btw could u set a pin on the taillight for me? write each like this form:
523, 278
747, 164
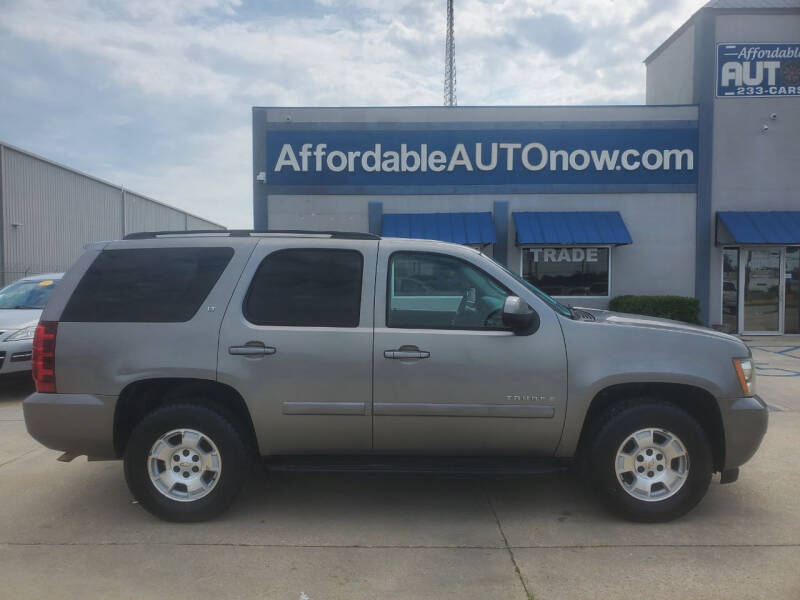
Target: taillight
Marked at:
44, 357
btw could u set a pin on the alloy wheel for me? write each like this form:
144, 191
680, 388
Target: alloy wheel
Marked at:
184, 465
652, 464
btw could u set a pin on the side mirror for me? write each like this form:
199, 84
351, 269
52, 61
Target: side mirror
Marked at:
519, 317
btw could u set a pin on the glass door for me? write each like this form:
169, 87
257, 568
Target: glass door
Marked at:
761, 290
791, 296
730, 289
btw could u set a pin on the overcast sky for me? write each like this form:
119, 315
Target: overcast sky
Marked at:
156, 95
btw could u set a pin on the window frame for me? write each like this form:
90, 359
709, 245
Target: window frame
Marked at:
276, 251
610, 247
389, 281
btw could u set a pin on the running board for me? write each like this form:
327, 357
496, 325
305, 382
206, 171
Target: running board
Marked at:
449, 465
67, 457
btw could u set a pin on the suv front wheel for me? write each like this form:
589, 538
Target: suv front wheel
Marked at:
185, 463
652, 460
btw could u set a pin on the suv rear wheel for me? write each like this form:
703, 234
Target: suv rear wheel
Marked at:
652, 460
186, 462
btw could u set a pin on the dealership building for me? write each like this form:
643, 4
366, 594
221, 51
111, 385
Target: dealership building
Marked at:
693, 194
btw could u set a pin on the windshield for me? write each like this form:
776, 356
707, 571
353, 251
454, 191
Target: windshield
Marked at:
549, 300
27, 294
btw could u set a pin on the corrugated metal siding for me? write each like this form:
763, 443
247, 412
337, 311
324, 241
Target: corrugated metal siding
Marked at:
142, 214
49, 213
198, 223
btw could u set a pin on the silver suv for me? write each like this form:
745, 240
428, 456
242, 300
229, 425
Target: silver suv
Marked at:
191, 355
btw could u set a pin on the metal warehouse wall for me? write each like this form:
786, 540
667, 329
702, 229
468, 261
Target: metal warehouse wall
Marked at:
670, 78
49, 212
142, 214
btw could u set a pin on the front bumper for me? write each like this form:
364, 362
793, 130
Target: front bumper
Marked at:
745, 423
15, 356
74, 423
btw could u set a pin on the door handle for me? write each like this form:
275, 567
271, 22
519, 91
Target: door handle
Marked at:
252, 350
406, 352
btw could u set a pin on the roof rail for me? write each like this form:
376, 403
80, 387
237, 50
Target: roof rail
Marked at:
339, 235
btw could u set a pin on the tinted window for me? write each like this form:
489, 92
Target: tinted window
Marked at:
435, 291
147, 285
569, 271
306, 288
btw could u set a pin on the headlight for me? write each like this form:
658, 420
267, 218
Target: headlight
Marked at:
744, 370
25, 333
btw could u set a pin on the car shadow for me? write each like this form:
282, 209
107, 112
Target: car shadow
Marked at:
383, 509
359, 499
16, 387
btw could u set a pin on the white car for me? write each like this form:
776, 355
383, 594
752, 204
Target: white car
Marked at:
21, 305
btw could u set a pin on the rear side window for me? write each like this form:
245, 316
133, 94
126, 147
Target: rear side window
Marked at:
304, 287
146, 285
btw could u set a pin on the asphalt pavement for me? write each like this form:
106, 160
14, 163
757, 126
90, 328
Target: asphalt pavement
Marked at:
72, 530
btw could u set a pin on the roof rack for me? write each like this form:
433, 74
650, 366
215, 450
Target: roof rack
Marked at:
338, 235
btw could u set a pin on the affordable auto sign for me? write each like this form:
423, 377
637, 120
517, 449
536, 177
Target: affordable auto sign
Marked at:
482, 156
758, 70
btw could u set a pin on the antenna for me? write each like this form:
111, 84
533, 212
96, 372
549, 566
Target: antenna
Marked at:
450, 60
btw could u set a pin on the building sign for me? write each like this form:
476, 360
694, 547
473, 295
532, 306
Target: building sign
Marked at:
568, 271
570, 255
758, 70
334, 155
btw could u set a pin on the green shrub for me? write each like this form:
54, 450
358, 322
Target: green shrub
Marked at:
679, 308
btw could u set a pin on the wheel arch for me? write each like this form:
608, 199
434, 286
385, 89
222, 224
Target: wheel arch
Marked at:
141, 397
696, 401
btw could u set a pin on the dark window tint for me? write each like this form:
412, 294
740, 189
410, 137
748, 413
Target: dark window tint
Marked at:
306, 288
147, 285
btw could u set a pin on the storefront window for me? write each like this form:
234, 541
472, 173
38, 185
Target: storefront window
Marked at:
762, 284
567, 271
792, 294
730, 288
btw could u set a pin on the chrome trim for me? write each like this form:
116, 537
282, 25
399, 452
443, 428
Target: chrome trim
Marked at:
441, 409
324, 408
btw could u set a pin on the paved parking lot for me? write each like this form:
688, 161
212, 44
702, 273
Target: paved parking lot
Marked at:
72, 531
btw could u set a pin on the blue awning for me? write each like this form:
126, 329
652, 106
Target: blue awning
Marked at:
779, 227
571, 228
461, 228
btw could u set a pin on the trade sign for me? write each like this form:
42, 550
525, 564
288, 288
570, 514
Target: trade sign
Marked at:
558, 255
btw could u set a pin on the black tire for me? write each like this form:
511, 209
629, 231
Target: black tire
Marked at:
619, 423
230, 442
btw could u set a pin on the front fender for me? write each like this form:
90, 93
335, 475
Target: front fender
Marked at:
602, 355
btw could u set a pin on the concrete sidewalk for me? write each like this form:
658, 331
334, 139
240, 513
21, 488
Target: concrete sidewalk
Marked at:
777, 362
783, 341
71, 531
